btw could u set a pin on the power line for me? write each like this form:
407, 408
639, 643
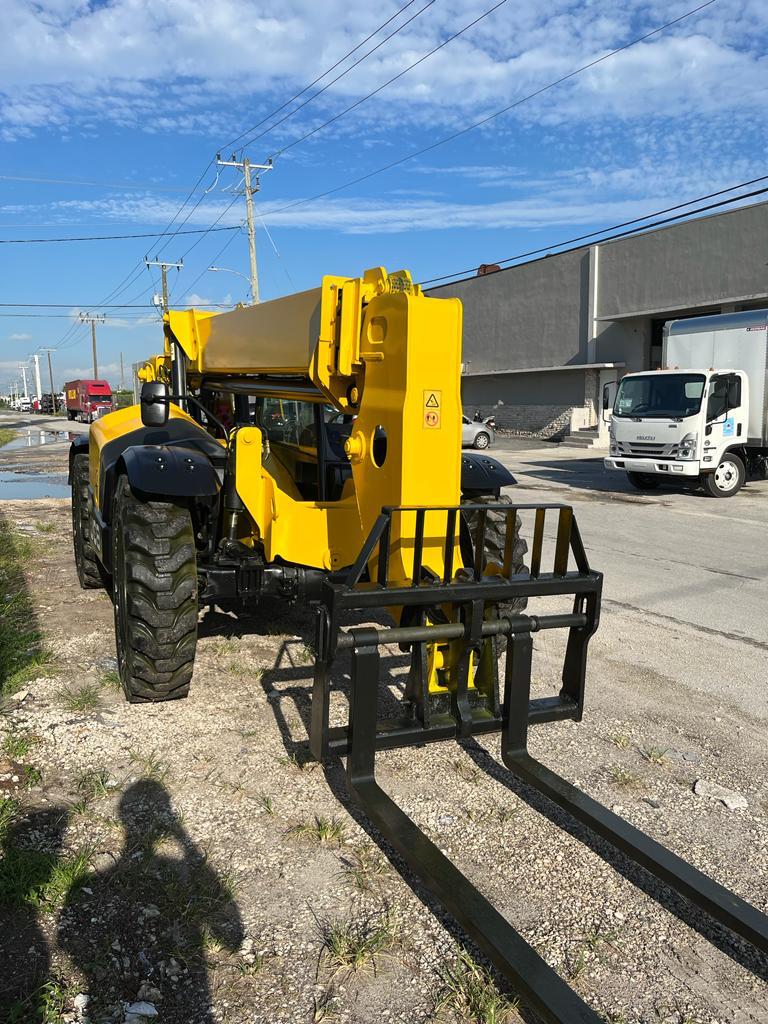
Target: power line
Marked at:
375, 92
250, 142
113, 238
320, 77
95, 184
490, 117
621, 234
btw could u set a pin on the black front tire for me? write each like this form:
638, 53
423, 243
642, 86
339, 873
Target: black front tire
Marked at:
155, 596
643, 481
89, 570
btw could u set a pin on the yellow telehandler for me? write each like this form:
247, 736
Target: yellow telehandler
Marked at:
309, 449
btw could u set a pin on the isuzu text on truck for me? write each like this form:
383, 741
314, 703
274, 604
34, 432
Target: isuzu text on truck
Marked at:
706, 415
88, 399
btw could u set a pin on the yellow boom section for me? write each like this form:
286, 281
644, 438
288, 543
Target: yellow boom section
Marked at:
376, 349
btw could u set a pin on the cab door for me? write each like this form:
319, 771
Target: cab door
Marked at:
726, 412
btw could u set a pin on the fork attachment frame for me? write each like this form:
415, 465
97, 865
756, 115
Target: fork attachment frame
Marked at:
475, 595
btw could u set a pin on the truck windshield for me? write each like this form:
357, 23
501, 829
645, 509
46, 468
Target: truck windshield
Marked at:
668, 395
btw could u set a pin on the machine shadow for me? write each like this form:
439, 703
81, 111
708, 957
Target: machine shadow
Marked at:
739, 951
298, 690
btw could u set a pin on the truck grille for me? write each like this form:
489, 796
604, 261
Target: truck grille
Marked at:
646, 450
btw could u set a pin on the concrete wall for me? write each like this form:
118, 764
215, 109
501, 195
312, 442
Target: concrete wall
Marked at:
702, 262
533, 315
534, 404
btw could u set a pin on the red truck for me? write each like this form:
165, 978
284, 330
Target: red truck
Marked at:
88, 399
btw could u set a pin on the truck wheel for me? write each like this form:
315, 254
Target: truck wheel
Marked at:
482, 440
89, 571
727, 479
155, 596
643, 481
495, 531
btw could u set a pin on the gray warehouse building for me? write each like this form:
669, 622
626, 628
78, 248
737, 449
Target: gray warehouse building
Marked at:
541, 339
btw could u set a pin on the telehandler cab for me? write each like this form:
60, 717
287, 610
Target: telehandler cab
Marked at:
308, 449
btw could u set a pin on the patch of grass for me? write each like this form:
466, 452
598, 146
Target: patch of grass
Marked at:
654, 755
18, 744
34, 878
93, 783
32, 776
321, 830
620, 740
45, 527
354, 945
9, 809
111, 679
302, 762
6, 436
151, 765
21, 646
467, 771
45, 1005
325, 1006
86, 697
588, 950
267, 803
363, 867
304, 654
468, 991
623, 777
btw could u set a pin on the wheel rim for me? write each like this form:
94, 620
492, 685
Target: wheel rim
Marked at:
726, 475
481, 441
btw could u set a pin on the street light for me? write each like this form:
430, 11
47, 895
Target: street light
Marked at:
226, 270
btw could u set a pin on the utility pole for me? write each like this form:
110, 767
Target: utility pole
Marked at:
122, 374
246, 167
50, 375
86, 318
164, 268
24, 377
38, 386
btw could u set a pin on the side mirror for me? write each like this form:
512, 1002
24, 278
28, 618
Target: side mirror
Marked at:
154, 404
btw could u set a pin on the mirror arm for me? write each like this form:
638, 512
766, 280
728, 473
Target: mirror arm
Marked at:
190, 398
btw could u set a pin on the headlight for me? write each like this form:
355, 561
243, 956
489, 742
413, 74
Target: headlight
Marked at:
687, 447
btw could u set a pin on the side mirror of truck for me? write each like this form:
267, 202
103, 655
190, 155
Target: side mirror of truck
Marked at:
154, 404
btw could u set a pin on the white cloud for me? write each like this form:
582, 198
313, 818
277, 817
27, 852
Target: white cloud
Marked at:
182, 66
19, 336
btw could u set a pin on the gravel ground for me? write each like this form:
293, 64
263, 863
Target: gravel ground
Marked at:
228, 879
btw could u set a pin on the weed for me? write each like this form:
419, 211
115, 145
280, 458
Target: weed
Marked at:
363, 867
45, 527
32, 776
152, 766
45, 1005
325, 1005
301, 762
320, 829
6, 436
653, 755
305, 655
82, 698
93, 783
353, 945
18, 744
589, 950
620, 740
469, 991
111, 679
623, 777
466, 771
267, 803
38, 879
9, 808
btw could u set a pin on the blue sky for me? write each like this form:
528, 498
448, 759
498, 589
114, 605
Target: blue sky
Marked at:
137, 97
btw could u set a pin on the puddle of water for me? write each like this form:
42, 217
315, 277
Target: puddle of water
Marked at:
36, 438
22, 486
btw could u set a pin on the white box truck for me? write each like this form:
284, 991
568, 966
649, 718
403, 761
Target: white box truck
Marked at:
705, 415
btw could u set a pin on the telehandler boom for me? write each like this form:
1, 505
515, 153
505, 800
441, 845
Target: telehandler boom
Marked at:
308, 449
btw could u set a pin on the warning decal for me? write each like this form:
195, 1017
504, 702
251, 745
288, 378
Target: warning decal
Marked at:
433, 400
